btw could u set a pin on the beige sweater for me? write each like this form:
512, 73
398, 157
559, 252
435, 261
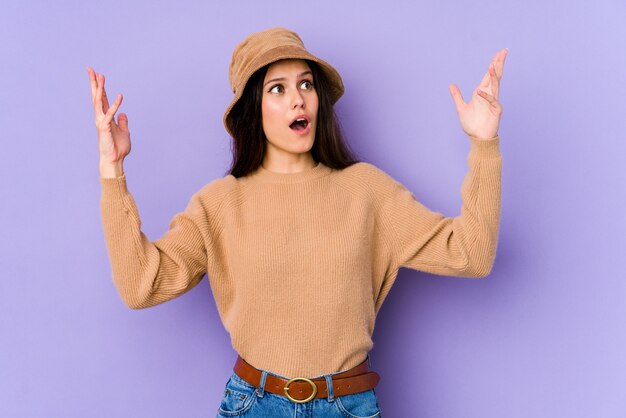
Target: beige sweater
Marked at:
299, 264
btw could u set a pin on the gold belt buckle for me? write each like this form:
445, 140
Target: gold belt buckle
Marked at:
305, 380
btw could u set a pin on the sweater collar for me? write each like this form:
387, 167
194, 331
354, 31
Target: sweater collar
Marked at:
264, 175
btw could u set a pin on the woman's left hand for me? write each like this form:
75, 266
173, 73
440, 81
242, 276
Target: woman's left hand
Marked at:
481, 116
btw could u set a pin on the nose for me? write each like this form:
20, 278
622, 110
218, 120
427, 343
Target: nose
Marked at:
297, 99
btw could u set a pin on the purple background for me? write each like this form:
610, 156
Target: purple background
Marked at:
543, 336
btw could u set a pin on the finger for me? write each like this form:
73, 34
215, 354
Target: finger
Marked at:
457, 97
92, 83
486, 80
499, 64
495, 82
122, 120
105, 99
493, 103
485, 95
98, 103
111, 112
492, 100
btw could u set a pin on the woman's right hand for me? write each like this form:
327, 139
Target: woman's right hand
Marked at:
113, 138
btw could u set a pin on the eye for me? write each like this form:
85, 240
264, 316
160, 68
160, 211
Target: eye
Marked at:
307, 82
272, 90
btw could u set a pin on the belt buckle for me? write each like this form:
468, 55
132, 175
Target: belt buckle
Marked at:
304, 379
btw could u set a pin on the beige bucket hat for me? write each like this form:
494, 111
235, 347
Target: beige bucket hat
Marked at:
266, 47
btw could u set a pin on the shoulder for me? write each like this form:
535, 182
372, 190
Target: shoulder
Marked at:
362, 171
219, 185
216, 193
367, 170
371, 177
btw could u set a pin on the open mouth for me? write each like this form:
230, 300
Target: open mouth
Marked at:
299, 124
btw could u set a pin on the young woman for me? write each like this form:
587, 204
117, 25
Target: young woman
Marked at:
301, 242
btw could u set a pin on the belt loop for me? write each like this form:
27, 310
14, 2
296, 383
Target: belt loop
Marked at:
261, 389
329, 387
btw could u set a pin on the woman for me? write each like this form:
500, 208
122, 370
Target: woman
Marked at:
301, 242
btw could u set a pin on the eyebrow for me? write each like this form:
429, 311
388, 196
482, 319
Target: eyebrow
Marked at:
283, 78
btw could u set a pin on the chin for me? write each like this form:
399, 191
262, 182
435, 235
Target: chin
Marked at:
300, 141
301, 148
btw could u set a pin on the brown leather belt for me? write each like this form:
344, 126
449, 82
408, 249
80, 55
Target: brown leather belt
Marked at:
301, 389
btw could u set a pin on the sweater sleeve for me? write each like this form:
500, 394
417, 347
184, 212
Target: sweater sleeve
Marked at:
148, 273
465, 245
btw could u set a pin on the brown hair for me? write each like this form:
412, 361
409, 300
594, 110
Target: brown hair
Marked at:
249, 141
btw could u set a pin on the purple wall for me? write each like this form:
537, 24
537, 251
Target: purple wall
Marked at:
543, 336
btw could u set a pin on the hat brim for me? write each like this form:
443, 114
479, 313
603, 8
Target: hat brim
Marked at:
286, 52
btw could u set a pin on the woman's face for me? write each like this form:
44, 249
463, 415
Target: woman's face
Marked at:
288, 94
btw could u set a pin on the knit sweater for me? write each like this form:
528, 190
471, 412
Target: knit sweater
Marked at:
300, 263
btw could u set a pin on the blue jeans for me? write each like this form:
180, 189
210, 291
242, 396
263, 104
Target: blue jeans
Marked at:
241, 399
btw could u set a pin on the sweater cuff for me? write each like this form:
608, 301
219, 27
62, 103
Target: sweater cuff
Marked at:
484, 148
113, 188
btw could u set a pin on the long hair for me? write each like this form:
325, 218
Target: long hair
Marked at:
249, 141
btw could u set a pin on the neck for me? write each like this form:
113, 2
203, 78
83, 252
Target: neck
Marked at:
310, 173
288, 163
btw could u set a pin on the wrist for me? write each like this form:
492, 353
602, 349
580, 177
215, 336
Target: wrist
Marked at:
111, 170
482, 138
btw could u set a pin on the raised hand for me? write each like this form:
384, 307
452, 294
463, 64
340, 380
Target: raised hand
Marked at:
113, 138
481, 116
